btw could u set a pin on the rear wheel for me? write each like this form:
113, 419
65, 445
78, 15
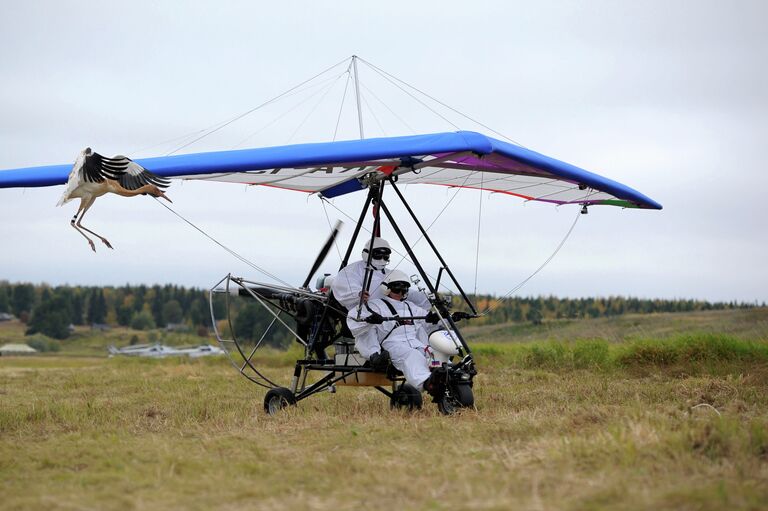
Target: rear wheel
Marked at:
277, 399
406, 396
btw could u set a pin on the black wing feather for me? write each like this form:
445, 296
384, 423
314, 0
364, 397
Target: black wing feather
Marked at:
134, 178
97, 168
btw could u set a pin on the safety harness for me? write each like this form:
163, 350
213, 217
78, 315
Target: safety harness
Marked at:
398, 320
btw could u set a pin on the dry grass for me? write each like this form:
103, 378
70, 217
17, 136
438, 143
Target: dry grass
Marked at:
89, 433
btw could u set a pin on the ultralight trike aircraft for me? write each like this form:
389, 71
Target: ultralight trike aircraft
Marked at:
378, 167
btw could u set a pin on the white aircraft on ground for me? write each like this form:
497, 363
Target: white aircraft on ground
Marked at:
161, 351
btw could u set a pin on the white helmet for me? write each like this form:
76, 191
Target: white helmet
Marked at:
381, 251
396, 280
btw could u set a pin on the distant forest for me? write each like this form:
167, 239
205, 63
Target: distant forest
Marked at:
51, 310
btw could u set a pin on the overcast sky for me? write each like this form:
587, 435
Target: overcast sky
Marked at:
668, 97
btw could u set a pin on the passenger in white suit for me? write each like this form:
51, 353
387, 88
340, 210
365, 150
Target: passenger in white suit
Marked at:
404, 341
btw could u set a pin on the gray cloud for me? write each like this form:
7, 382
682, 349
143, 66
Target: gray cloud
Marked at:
668, 97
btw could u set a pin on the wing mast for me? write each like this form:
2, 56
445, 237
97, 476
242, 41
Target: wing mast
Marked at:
357, 97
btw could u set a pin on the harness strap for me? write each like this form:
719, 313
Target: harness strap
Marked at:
398, 322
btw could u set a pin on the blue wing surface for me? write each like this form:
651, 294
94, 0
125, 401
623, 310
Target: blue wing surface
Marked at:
454, 159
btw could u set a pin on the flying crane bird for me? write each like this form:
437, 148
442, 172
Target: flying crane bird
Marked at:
93, 175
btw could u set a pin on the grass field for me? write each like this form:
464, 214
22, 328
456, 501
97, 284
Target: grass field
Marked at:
667, 418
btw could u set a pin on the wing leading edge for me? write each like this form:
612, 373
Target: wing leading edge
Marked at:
456, 159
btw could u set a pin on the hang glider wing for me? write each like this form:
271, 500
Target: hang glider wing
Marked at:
457, 159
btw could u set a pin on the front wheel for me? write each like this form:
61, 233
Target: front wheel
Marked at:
455, 397
277, 399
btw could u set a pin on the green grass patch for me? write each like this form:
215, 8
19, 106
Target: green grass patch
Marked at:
690, 350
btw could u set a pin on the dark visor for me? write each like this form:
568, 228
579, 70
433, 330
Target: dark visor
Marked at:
381, 253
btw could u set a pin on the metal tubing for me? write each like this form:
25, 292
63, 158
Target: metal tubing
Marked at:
271, 384
359, 224
376, 230
434, 248
357, 95
414, 259
297, 336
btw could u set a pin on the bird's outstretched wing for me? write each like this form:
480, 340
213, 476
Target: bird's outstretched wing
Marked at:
96, 168
125, 171
136, 176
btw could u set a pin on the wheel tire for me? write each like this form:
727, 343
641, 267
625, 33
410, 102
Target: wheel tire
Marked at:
455, 397
277, 399
447, 405
464, 396
406, 396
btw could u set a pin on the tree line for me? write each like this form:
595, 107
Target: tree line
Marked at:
538, 309
51, 310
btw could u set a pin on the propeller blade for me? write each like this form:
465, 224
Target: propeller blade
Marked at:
323, 253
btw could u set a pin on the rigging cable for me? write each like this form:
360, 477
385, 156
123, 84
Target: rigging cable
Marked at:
227, 123
389, 77
341, 107
290, 110
448, 203
232, 252
498, 301
394, 251
327, 91
383, 73
235, 254
388, 108
479, 219
375, 118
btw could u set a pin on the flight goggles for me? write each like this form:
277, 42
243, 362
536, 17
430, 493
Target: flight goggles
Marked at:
381, 253
399, 287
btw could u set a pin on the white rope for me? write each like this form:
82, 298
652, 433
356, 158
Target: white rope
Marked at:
479, 219
341, 107
375, 117
498, 301
232, 252
290, 110
238, 117
383, 73
314, 108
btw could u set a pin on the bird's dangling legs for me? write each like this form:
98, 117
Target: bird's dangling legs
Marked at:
72, 223
78, 225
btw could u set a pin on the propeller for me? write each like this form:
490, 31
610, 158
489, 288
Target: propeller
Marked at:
323, 253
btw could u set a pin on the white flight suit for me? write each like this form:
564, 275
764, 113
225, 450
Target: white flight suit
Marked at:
348, 284
406, 343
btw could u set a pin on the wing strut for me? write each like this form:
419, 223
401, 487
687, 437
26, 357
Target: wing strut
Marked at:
434, 248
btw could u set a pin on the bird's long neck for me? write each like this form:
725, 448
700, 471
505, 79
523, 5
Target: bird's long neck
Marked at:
131, 193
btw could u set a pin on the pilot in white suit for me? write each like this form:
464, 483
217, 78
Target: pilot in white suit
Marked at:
405, 340
348, 285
